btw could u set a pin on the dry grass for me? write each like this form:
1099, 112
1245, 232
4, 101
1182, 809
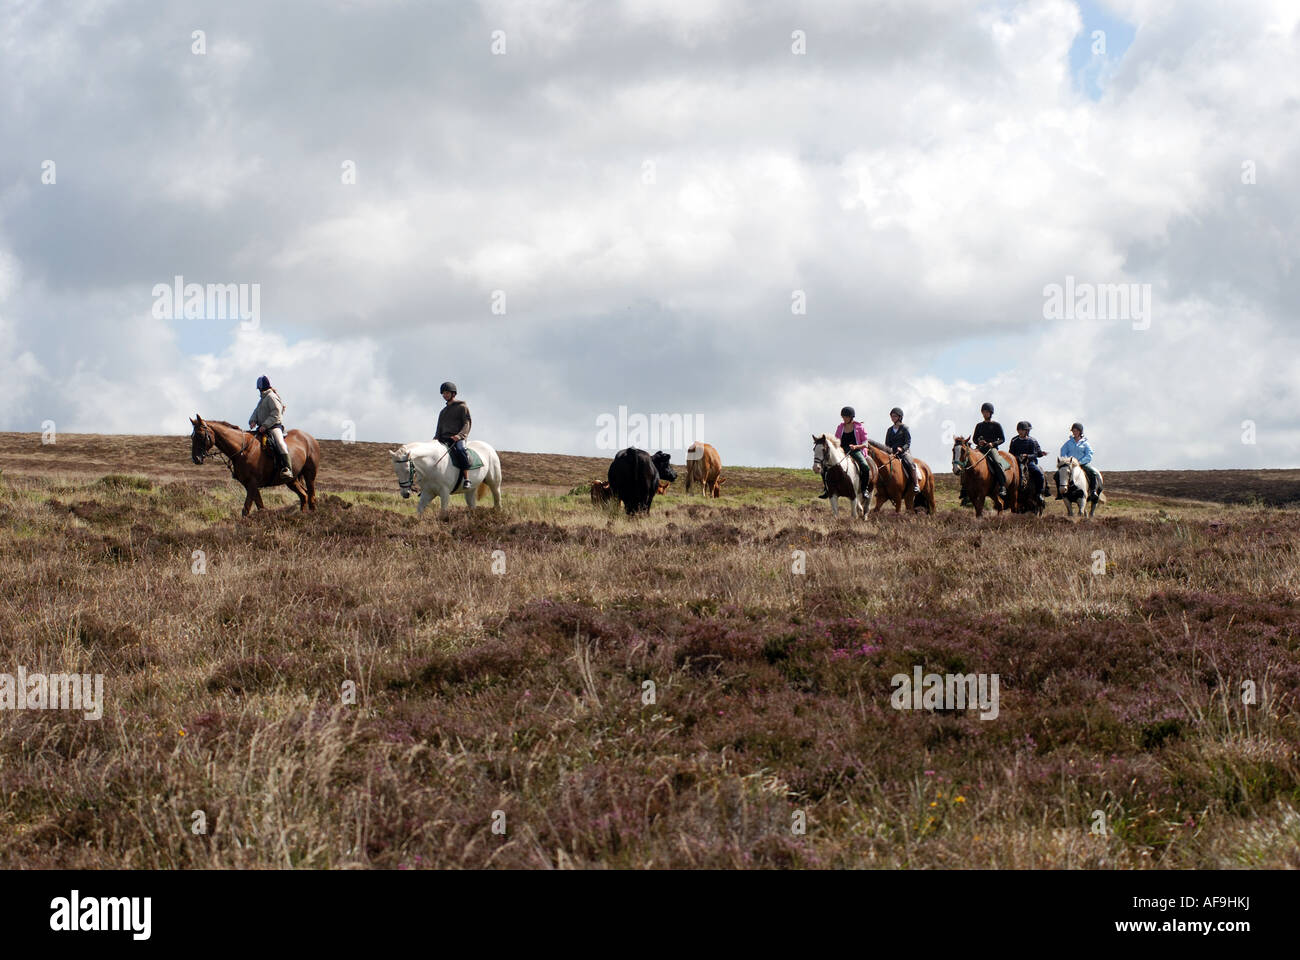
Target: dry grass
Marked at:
522, 692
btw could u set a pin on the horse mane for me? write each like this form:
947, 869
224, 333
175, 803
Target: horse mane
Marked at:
404, 452
227, 423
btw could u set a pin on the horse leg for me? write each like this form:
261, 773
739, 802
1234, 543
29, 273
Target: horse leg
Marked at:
309, 479
471, 497
425, 496
248, 500
835, 505
445, 496
494, 484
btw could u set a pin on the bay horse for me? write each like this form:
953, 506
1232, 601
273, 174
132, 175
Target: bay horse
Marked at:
891, 481
1072, 480
977, 479
842, 475
254, 467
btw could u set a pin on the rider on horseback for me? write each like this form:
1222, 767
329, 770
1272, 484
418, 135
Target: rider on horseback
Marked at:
267, 419
1025, 445
852, 436
453, 428
988, 436
1077, 446
899, 441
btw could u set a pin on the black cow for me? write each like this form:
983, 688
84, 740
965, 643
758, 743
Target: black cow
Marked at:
634, 477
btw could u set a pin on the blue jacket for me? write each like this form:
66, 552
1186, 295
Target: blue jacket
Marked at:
1078, 449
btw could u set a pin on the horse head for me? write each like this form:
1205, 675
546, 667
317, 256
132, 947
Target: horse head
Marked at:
201, 440
404, 469
959, 450
821, 446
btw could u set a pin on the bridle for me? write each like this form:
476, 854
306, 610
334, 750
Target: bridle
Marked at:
960, 462
209, 438
818, 460
408, 485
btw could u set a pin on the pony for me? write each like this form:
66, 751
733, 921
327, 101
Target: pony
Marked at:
1027, 500
891, 483
842, 475
425, 468
254, 467
1073, 481
977, 479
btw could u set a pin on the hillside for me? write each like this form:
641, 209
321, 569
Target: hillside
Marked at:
553, 685
367, 467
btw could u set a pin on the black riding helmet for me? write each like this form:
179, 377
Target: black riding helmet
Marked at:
1024, 425
898, 411
986, 406
847, 412
448, 387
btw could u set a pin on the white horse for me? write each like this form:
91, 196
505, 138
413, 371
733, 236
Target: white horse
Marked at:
426, 467
1073, 481
828, 457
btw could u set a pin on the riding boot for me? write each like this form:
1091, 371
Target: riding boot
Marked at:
462, 480
286, 466
826, 491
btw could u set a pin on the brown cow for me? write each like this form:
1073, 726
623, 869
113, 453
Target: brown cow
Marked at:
663, 488
703, 464
600, 493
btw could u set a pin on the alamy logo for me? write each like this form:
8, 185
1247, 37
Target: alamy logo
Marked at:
658, 431
53, 691
213, 301
949, 691
1098, 301
70, 914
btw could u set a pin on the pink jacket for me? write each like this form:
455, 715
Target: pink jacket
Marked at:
859, 432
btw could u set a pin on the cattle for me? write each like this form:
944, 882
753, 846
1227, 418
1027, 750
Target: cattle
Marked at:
634, 478
663, 487
704, 465
717, 486
600, 493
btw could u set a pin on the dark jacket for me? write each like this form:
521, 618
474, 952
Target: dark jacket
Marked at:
898, 436
989, 431
1026, 445
454, 419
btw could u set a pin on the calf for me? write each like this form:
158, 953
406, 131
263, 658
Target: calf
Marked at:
600, 493
634, 478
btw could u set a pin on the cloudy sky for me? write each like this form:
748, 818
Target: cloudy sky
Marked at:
748, 212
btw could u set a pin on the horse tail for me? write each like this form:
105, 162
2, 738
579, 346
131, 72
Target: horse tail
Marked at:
927, 491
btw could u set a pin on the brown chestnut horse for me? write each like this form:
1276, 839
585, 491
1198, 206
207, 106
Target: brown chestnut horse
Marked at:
254, 467
977, 479
891, 482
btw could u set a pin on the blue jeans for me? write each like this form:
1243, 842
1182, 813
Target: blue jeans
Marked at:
456, 451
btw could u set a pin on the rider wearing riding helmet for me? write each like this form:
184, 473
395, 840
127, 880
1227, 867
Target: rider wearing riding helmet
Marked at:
852, 436
988, 436
267, 418
1077, 446
453, 428
1023, 444
899, 441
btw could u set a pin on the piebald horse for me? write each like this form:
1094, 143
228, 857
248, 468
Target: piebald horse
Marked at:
426, 468
842, 475
977, 479
254, 467
1072, 480
892, 483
